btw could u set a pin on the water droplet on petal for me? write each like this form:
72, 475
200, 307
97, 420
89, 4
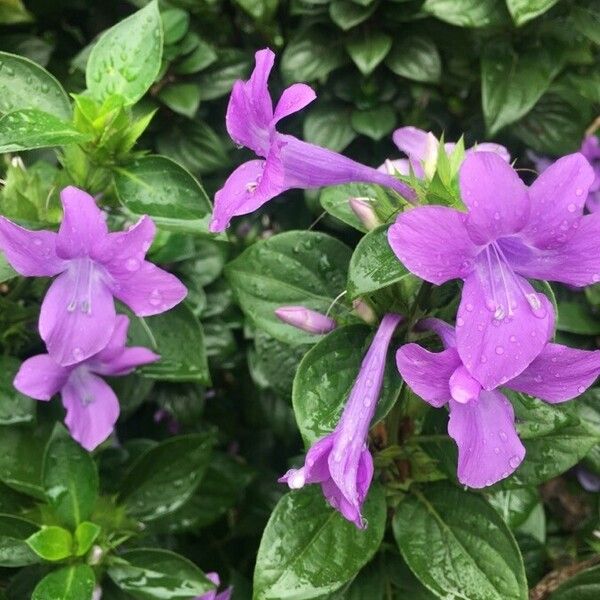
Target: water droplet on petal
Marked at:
155, 298
502, 435
78, 353
579, 192
499, 350
571, 207
514, 461
132, 264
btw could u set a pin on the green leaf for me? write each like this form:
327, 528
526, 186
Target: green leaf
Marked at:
512, 83
515, 506
172, 334
374, 266
583, 586
13, 11
467, 13
175, 23
75, 582
182, 98
31, 128
308, 549
152, 574
126, 59
6, 271
14, 551
219, 79
202, 56
367, 49
166, 476
51, 543
334, 200
24, 84
14, 406
575, 315
160, 188
416, 57
293, 268
329, 125
523, 11
70, 478
346, 14
587, 21
326, 375
458, 546
85, 535
375, 123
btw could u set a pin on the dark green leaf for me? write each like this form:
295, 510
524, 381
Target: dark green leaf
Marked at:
515, 506
416, 57
160, 188
218, 80
126, 59
24, 84
467, 13
346, 14
6, 271
458, 546
293, 268
70, 479
587, 22
14, 406
583, 586
308, 549
32, 128
14, 551
375, 123
51, 543
329, 125
523, 11
166, 476
326, 375
175, 23
13, 11
367, 49
75, 582
182, 98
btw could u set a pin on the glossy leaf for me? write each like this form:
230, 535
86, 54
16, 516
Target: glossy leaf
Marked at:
328, 125
70, 479
335, 200
293, 268
85, 535
24, 84
166, 476
31, 128
51, 543
583, 586
467, 13
308, 549
368, 49
14, 407
457, 545
374, 122
160, 188
347, 14
14, 551
126, 59
75, 582
326, 375
416, 57
151, 574
182, 98
514, 506
523, 11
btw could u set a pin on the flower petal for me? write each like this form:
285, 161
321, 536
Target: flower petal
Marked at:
83, 225
498, 149
398, 165
123, 252
92, 408
117, 341
488, 446
149, 291
444, 331
495, 195
428, 373
496, 344
75, 329
30, 253
40, 377
412, 141
293, 99
557, 199
432, 242
126, 362
559, 373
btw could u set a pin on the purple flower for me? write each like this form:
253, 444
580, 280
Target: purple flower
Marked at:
590, 148
93, 266
305, 319
212, 595
509, 232
589, 481
482, 421
91, 405
288, 162
341, 461
421, 148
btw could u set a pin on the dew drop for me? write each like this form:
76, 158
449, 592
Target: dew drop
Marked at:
132, 264
460, 322
502, 435
496, 450
78, 353
469, 307
571, 208
580, 389
499, 350
514, 461
155, 298
579, 192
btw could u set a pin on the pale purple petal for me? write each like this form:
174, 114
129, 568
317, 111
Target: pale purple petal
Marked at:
92, 408
444, 331
592, 202
365, 212
557, 199
117, 340
40, 377
497, 339
83, 225
495, 195
559, 373
498, 149
589, 481
412, 141
78, 314
575, 262
126, 362
305, 319
432, 242
225, 594
463, 387
428, 373
122, 252
149, 291
30, 253
293, 99
488, 446
399, 165
541, 163
590, 147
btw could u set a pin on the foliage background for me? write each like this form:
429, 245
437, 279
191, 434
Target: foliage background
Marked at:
523, 73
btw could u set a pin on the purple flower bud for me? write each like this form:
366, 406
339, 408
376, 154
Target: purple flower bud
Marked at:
364, 311
305, 319
212, 595
363, 209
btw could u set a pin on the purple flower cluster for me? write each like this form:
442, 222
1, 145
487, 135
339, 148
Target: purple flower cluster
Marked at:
83, 334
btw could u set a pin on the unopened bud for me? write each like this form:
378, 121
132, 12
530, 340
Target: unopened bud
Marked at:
97, 594
363, 209
305, 319
430, 158
364, 311
96, 555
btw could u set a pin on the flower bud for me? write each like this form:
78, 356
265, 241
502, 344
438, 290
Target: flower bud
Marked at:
305, 319
96, 555
364, 211
364, 311
97, 594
